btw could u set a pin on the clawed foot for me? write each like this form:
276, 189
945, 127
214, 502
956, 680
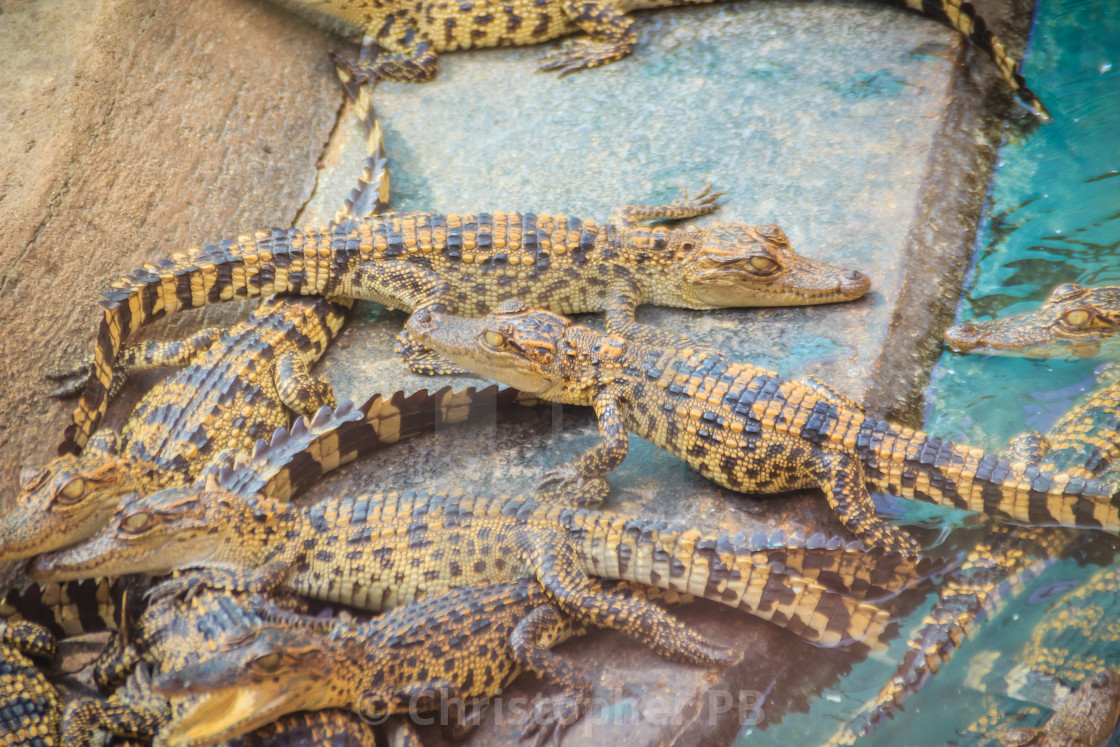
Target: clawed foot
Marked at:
706, 201
186, 585
425, 361
551, 715
71, 381
566, 485
582, 54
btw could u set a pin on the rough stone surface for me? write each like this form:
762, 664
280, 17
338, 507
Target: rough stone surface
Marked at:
857, 127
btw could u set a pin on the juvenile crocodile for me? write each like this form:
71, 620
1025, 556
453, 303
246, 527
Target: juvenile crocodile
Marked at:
174, 633
1074, 321
447, 650
231, 390
411, 33
747, 428
468, 264
381, 551
1086, 718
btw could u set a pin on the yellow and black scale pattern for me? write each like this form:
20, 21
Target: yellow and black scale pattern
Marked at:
468, 264
1074, 320
749, 429
381, 551
463, 645
29, 705
232, 389
412, 32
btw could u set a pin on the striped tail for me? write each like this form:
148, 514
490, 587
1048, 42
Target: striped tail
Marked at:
268, 262
756, 577
371, 196
994, 572
298, 458
909, 463
962, 16
69, 608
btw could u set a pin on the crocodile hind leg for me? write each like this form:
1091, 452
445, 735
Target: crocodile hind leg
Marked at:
541, 629
612, 38
841, 477
555, 565
407, 54
298, 389
140, 357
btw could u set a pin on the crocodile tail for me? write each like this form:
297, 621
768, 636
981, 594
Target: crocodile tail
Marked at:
266, 262
725, 571
913, 464
299, 457
69, 608
371, 196
962, 16
994, 572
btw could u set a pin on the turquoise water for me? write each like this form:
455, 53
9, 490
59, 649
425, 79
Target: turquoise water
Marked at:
1053, 216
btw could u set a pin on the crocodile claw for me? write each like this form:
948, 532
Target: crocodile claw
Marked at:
551, 716
566, 485
581, 55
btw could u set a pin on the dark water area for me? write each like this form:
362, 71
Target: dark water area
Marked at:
1053, 216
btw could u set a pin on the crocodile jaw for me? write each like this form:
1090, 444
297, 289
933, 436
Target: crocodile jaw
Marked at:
225, 714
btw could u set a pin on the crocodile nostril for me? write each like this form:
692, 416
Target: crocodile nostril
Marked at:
963, 337
855, 282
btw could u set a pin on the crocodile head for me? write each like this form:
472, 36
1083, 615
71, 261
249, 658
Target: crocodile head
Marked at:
1073, 321
174, 528
67, 501
740, 265
514, 344
254, 677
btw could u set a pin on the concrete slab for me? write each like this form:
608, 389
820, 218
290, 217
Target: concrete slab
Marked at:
861, 129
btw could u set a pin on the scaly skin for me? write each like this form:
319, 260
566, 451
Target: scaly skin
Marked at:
468, 264
174, 633
1086, 718
1073, 321
232, 390
747, 428
412, 32
381, 551
465, 644
29, 705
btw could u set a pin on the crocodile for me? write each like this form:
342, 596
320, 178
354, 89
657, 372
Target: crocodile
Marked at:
747, 428
1086, 718
231, 390
443, 651
467, 264
379, 551
412, 34
29, 704
1073, 321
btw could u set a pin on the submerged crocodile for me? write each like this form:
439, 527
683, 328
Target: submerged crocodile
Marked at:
1086, 718
411, 34
231, 390
1073, 321
747, 428
381, 551
467, 265
441, 651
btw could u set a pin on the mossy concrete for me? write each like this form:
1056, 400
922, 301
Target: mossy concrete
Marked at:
863, 130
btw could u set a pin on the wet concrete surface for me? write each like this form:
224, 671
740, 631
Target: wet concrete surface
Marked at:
865, 131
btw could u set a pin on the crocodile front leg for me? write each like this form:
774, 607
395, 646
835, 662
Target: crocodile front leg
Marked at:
682, 208
134, 711
551, 558
582, 482
140, 357
612, 38
841, 477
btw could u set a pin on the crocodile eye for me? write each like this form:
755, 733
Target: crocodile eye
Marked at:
136, 523
1077, 318
267, 663
764, 265
72, 491
494, 339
